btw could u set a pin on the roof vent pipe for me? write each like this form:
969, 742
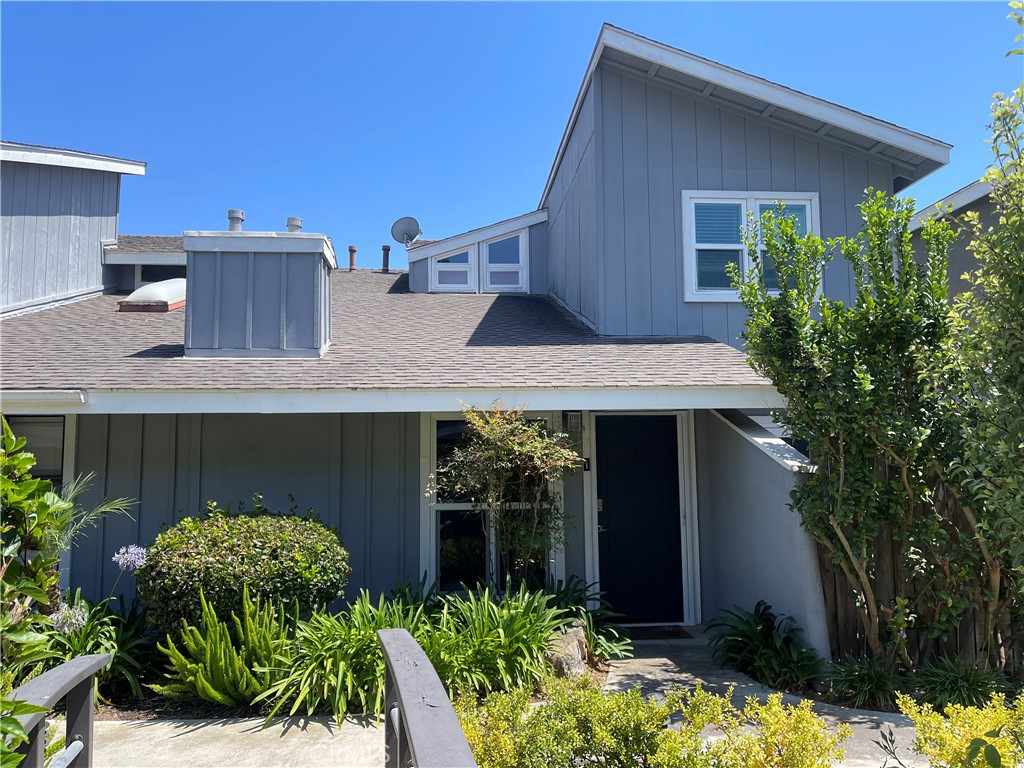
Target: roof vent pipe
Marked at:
235, 219
294, 224
351, 258
386, 249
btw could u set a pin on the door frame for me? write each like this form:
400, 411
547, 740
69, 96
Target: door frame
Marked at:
688, 524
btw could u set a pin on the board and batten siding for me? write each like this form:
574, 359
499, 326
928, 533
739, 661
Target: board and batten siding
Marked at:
573, 222
654, 143
53, 222
358, 472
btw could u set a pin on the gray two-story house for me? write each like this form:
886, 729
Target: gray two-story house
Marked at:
606, 311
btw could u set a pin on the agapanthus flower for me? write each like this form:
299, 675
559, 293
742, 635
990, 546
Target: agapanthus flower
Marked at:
130, 558
69, 618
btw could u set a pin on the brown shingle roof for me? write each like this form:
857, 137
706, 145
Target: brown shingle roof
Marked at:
151, 243
384, 337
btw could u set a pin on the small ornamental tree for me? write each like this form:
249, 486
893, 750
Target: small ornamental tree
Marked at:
504, 466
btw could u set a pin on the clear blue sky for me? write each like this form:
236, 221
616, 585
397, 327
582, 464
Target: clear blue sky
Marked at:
351, 115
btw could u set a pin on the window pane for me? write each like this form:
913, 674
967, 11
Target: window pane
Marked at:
154, 273
44, 437
463, 549
457, 258
718, 222
711, 268
504, 277
771, 277
795, 211
449, 433
453, 277
504, 251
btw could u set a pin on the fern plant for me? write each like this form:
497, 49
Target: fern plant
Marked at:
226, 667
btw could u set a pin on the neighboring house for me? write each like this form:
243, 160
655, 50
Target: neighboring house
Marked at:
973, 197
606, 312
58, 208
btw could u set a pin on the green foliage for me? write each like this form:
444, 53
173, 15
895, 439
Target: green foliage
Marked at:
949, 681
228, 664
504, 466
281, 559
765, 646
12, 734
968, 737
577, 725
605, 639
866, 682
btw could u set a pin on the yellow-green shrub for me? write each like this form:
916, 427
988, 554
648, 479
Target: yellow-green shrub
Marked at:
945, 740
785, 736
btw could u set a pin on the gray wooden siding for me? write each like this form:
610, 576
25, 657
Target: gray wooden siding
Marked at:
538, 245
419, 276
53, 220
359, 472
573, 230
654, 143
961, 260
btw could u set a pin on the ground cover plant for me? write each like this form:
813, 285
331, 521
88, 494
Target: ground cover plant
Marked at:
281, 558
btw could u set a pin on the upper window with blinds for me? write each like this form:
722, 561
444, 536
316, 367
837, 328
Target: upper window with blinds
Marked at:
713, 225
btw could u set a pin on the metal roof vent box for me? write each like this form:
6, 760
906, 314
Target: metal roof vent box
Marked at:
258, 294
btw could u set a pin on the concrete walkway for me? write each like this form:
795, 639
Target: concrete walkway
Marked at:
660, 665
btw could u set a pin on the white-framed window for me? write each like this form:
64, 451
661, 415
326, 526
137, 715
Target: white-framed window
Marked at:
713, 224
491, 266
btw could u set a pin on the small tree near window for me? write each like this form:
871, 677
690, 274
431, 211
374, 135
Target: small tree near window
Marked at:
504, 466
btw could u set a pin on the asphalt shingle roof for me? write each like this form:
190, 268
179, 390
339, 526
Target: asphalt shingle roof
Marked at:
151, 243
384, 337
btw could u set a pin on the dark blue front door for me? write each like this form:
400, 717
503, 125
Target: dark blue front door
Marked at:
640, 545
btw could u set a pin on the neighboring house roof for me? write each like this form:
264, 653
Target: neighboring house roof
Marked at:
422, 249
16, 152
913, 154
146, 249
952, 202
386, 341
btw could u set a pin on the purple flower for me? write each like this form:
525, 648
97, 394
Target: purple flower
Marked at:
130, 558
69, 618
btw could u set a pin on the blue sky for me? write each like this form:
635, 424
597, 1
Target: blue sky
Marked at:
351, 115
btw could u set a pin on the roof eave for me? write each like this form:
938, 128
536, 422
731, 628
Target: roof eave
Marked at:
69, 158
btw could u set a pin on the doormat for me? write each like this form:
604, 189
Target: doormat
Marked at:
666, 632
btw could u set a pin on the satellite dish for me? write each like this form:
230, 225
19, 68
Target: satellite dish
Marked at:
406, 230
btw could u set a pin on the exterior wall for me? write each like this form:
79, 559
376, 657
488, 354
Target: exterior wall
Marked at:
538, 243
419, 276
654, 143
751, 544
53, 221
573, 218
960, 259
359, 472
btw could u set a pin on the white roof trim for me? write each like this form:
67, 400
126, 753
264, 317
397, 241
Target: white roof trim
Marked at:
384, 401
964, 196
777, 449
69, 158
159, 258
750, 85
466, 239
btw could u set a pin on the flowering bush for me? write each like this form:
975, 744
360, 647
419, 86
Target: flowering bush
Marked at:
282, 559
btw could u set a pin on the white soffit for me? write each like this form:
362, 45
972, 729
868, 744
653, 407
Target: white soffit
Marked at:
14, 152
954, 202
466, 239
880, 137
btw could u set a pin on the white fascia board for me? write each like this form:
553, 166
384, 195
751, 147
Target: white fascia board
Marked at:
777, 449
750, 85
43, 401
466, 239
394, 401
260, 242
68, 158
157, 258
954, 202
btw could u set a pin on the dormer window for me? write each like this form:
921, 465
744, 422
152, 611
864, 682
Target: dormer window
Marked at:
713, 225
490, 266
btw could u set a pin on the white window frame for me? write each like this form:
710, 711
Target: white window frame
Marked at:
750, 202
480, 270
430, 541
436, 267
522, 267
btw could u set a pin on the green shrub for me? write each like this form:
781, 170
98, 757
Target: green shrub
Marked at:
950, 681
766, 647
228, 664
605, 639
865, 682
282, 559
966, 737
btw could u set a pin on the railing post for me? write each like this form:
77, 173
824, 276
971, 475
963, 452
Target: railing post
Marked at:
34, 748
392, 723
80, 719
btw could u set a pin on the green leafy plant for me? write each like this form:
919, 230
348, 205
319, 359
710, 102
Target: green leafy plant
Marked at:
228, 663
866, 682
949, 681
281, 559
764, 646
605, 639
12, 734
